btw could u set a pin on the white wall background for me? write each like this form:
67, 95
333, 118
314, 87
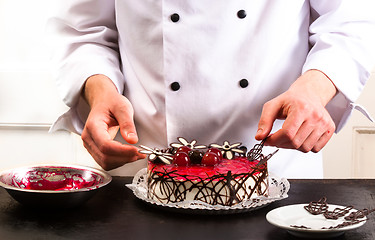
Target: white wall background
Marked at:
29, 104
351, 153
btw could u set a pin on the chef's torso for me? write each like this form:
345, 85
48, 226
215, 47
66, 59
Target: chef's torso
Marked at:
203, 69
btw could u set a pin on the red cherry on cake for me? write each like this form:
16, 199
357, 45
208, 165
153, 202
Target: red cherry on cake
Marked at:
181, 159
210, 159
184, 149
217, 152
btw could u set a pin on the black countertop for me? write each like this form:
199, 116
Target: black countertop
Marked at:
115, 213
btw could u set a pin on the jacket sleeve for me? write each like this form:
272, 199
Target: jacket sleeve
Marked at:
83, 37
342, 38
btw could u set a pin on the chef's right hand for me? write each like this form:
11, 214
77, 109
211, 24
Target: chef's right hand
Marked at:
308, 126
110, 111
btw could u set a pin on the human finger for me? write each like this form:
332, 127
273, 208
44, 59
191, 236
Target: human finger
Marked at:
107, 145
98, 132
111, 159
322, 141
124, 116
325, 137
320, 123
312, 135
270, 112
292, 133
310, 141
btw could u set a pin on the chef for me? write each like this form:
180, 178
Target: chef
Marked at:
151, 71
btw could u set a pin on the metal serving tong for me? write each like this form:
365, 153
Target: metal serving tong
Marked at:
256, 153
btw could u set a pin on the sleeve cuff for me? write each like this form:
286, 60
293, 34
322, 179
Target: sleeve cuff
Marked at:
73, 120
341, 110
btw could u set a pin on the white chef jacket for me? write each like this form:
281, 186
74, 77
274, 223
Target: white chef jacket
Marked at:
203, 69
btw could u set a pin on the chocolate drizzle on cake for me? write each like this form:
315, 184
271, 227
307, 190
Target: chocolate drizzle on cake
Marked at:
223, 189
212, 183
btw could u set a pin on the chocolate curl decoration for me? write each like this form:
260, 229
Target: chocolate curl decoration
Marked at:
256, 153
359, 214
353, 218
344, 224
319, 207
300, 226
266, 158
337, 212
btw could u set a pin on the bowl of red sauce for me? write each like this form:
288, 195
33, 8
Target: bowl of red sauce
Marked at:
53, 185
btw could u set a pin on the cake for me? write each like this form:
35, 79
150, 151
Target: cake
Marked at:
215, 174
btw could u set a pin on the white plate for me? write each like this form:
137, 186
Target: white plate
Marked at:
278, 189
295, 215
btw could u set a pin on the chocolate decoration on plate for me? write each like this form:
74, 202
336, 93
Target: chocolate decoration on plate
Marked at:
354, 218
319, 207
300, 226
344, 224
337, 212
359, 214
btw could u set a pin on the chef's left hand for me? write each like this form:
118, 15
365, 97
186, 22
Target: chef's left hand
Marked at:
308, 125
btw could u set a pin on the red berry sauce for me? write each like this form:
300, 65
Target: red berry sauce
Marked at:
55, 179
195, 172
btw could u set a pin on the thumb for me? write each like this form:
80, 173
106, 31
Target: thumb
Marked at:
124, 117
269, 114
